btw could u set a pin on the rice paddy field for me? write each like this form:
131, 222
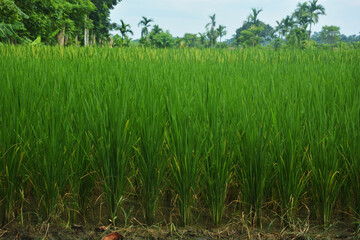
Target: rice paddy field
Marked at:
253, 136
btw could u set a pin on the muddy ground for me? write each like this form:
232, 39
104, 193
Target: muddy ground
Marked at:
229, 231
236, 227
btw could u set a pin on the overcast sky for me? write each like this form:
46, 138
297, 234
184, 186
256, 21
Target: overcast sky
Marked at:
191, 16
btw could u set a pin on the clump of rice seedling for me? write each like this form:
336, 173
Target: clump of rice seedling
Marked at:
185, 141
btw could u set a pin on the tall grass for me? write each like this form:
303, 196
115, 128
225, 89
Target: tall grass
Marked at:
279, 127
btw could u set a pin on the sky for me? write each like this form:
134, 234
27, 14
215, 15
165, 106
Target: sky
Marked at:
191, 16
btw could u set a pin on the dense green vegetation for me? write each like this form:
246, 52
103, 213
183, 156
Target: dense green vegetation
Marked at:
269, 129
66, 22
87, 22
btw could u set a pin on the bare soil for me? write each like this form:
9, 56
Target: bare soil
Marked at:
229, 231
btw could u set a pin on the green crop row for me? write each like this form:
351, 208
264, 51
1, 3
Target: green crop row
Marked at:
210, 127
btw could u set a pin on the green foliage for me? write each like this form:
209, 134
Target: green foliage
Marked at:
252, 20
121, 41
297, 38
212, 34
11, 24
163, 40
100, 17
221, 31
124, 40
250, 37
203, 39
8, 32
124, 29
10, 12
350, 39
37, 41
154, 31
222, 45
301, 15
158, 38
66, 15
330, 34
284, 27
190, 40
145, 23
356, 45
277, 43
253, 17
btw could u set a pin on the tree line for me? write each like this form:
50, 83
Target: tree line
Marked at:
87, 22
61, 22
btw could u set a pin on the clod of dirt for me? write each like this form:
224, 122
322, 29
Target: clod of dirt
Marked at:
113, 236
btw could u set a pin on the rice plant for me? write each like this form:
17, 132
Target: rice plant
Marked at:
280, 127
185, 142
110, 128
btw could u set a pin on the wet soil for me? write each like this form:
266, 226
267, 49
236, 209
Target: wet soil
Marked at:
236, 227
229, 231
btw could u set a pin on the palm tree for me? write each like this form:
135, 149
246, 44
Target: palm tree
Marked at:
212, 32
145, 22
124, 29
202, 38
285, 25
156, 30
253, 17
315, 11
221, 31
280, 28
302, 15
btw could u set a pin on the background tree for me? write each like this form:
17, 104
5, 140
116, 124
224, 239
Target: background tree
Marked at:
285, 26
11, 21
251, 36
253, 17
190, 40
279, 29
221, 31
40, 22
123, 28
62, 18
330, 34
349, 39
294, 27
277, 43
163, 40
119, 41
61, 21
73, 19
297, 37
145, 23
154, 31
80, 12
203, 38
100, 18
211, 32
315, 10
123, 40
265, 36
302, 15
